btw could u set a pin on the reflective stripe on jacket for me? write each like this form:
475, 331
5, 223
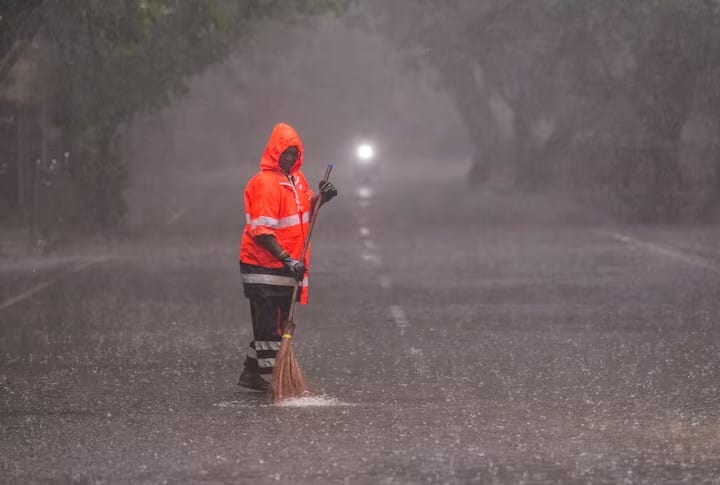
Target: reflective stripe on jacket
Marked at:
258, 275
278, 204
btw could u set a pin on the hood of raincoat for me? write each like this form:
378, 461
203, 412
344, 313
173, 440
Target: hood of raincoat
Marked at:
282, 137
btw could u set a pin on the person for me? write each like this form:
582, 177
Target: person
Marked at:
278, 208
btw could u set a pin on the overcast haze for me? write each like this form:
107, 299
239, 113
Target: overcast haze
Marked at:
519, 281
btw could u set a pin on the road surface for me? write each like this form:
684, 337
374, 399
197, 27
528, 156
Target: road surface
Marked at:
452, 337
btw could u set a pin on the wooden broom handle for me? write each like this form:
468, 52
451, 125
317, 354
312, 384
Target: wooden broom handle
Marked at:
313, 218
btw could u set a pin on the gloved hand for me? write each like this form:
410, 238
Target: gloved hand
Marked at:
296, 267
327, 191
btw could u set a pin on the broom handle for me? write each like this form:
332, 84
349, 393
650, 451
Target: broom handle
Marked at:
313, 218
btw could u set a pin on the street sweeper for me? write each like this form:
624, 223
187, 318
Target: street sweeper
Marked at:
279, 206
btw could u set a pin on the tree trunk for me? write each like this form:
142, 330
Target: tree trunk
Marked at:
662, 150
664, 88
712, 204
471, 100
530, 170
526, 167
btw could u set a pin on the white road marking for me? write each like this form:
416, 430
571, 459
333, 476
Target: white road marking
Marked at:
400, 318
25, 295
398, 314
372, 258
175, 216
41, 286
415, 355
665, 251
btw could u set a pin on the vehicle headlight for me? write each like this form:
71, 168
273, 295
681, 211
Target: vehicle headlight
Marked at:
365, 152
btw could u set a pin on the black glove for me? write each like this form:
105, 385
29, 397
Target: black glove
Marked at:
296, 267
327, 191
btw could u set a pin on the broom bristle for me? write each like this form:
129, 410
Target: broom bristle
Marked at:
287, 378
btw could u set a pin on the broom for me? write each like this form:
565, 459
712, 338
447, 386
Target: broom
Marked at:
288, 380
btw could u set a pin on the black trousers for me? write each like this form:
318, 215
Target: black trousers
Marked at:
269, 308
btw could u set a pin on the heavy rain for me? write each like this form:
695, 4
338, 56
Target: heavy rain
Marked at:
515, 264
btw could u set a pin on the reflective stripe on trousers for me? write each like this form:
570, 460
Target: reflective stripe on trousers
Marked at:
261, 357
269, 306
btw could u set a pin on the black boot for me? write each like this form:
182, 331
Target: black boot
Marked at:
252, 381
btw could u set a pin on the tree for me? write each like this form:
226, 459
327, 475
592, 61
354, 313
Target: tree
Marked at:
488, 54
19, 22
568, 73
651, 54
109, 60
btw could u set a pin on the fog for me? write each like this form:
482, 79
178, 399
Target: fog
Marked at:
337, 85
615, 108
517, 282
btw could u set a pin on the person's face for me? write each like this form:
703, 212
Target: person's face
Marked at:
288, 158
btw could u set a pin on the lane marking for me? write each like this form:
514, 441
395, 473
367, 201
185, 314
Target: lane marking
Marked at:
25, 295
372, 258
664, 251
175, 216
41, 286
400, 318
399, 315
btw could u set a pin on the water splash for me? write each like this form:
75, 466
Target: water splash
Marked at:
236, 404
312, 401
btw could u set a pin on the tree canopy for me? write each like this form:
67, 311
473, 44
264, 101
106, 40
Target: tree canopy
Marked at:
603, 87
104, 61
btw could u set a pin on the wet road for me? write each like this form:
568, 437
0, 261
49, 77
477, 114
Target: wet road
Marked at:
454, 338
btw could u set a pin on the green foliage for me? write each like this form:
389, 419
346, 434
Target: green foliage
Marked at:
19, 22
117, 58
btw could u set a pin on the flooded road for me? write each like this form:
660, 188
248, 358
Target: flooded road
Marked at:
451, 337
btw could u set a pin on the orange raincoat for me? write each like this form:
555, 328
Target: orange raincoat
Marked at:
278, 204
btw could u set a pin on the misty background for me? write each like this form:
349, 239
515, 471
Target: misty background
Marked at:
523, 287
118, 113
338, 85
